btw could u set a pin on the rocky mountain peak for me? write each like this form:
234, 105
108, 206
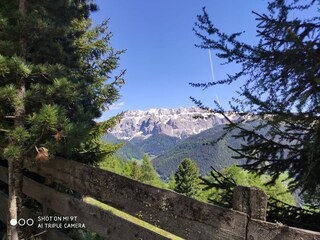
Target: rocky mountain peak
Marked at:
180, 122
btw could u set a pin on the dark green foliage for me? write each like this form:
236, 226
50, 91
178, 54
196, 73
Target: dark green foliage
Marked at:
141, 170
138, 147
135, 171
117, 165
282, 207
203, 148
187, 179
172, 182
311, 201
219, 185
156, 144
281, 85
129, 150
56, 78
148, 174
68, 77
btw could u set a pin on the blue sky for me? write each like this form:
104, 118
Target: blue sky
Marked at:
161, 57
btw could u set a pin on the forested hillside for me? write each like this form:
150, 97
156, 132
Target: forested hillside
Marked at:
167, 152
203, 149
128, 150
156, 144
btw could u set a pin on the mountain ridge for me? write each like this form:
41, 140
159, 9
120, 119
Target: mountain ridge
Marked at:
193, 130
180, 122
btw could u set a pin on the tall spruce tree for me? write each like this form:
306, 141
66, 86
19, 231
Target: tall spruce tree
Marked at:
281, 88
56, 77
135, 171
187, 179
147, 172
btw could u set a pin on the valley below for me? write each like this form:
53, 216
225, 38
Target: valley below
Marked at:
170, 135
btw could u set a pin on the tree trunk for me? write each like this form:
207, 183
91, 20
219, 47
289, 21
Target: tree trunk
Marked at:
16, 166
12, 229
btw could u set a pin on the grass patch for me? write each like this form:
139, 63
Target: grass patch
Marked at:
131, 218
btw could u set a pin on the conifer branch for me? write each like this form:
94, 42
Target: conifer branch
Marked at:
35, 143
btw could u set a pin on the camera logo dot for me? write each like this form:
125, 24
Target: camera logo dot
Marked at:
21, 222
30, 222
13, 222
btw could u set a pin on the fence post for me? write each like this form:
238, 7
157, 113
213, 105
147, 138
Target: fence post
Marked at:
250, 200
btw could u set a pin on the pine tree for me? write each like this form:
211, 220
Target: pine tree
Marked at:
220, 185
135, 171
148, 174
187, 178
281, 90
116, 164
55, 79
172, 182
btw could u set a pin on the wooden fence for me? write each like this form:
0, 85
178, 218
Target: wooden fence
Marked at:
173, 212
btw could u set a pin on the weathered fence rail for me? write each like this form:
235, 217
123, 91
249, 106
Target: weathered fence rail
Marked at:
175, 213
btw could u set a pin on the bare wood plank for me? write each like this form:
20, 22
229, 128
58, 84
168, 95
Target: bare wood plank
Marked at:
250, 200
166, 209
105, 223
50, 234
102, 222
259, 230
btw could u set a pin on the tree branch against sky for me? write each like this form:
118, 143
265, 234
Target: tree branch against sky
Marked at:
281, 85
56, 77
161, 56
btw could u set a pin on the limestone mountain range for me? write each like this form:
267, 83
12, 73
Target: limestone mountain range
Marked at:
170, 135
180, 123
